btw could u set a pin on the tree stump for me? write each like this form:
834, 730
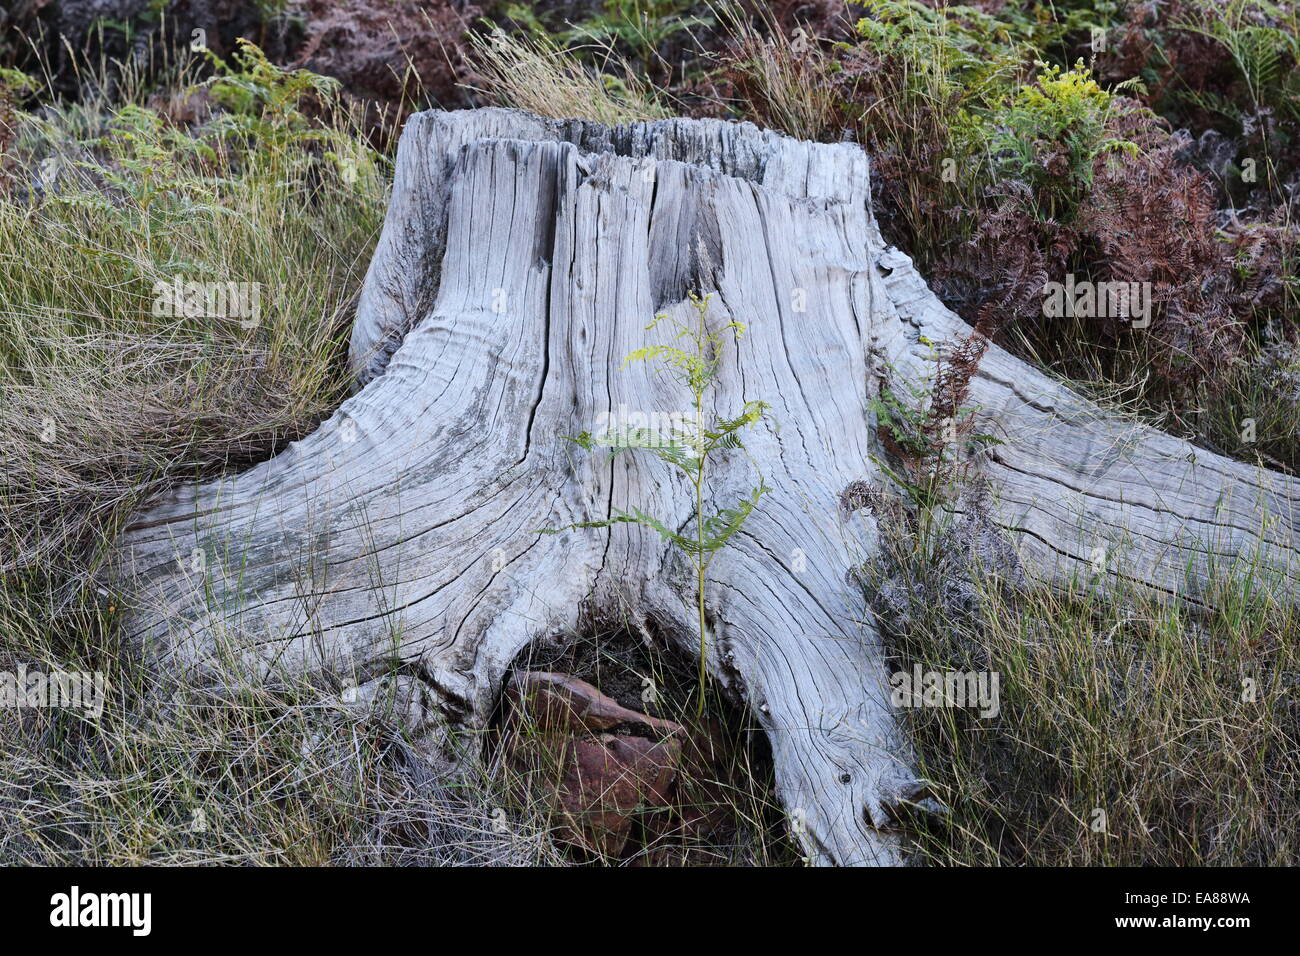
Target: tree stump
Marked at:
520, 261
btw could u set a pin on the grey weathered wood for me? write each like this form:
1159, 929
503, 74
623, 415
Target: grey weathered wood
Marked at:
1082, 488
520, 260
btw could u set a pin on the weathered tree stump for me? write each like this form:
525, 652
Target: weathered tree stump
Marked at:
521, 260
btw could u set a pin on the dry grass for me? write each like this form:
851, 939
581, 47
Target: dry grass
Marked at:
284, 776
532, 73
1132, 731
290, 771
783, 78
